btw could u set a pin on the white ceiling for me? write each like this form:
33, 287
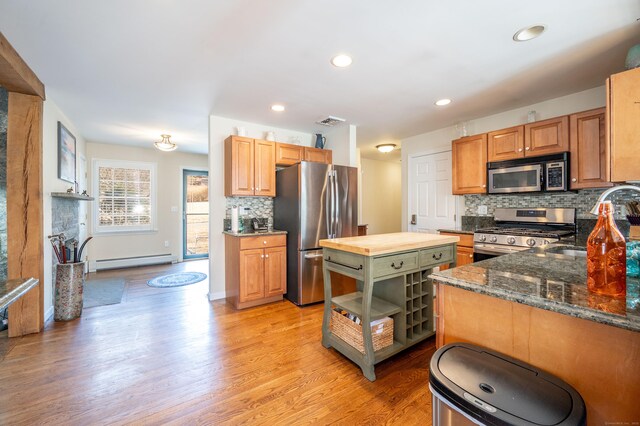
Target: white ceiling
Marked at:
125, 71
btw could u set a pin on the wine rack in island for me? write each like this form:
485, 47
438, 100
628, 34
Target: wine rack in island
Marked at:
390, 282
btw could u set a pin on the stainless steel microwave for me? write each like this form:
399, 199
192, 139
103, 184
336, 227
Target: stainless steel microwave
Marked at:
535, 174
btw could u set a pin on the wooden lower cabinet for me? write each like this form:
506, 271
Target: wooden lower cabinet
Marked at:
255, 269
464, 254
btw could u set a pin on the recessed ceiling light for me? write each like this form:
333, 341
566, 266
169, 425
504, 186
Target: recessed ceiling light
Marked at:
443, 102
386, 147
529, 33
341, 61
277, 107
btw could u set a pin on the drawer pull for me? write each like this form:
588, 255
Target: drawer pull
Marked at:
328, 259
438, 257
393, 265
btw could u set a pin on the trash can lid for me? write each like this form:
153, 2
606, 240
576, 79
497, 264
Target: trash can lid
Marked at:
492, 386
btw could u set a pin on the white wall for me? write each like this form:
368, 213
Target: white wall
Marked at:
219, 129
51, 115
440, 140
342, 141
169, 202
381, 196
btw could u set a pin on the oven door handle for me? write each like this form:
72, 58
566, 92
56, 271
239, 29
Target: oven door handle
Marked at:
496, 250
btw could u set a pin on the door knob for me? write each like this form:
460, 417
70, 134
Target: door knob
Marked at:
414, 219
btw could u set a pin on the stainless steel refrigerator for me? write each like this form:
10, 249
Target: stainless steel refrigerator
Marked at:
314, 201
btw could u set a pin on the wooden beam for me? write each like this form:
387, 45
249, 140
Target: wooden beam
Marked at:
24, 210
15, 74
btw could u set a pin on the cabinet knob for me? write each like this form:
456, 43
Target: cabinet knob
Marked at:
262, 256
470, 255
266, 255
484, 186
519, 149
574, 180
527, 148
264, 242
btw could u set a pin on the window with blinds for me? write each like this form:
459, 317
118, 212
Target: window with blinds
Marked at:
125, 193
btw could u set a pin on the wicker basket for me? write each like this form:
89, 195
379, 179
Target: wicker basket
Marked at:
350, 332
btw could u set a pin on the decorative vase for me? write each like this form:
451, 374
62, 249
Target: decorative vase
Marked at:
320, 141
633, 58
607, 256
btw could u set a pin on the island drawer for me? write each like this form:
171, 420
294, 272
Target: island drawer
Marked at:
389, 265
436, 256
247, 243
346, 263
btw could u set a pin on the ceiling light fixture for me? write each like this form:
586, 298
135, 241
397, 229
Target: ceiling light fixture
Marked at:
386, 147
165, 144
443, 102
277, 107
341, 61
529, 33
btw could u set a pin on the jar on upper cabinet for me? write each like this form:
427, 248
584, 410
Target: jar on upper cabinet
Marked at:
606, 256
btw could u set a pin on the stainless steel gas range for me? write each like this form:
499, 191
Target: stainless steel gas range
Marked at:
521, 229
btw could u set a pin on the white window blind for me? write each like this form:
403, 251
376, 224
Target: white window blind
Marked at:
126, 196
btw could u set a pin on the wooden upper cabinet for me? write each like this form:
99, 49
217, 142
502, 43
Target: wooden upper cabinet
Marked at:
589, 150
238, 166
623, 104
265, 168
506, 144
317, 155
249, 167
469, 156
546, 137
288, 154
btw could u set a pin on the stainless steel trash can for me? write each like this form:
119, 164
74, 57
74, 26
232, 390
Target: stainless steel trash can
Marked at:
475, 385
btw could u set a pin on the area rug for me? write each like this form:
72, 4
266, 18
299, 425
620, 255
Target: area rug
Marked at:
100, 292
178, 279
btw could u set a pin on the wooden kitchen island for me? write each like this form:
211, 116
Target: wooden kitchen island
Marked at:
392, 280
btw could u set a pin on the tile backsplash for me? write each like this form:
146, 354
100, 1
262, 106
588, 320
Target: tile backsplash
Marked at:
258, 206
582, 201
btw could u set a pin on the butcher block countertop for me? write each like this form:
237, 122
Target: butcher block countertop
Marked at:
374, 245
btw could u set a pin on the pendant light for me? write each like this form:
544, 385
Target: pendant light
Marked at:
165, 144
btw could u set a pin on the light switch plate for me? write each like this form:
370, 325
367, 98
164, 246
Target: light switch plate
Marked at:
174, 209
482, 209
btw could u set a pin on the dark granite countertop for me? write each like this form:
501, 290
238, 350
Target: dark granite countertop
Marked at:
457, 231
12, 290
546, 280
255, 234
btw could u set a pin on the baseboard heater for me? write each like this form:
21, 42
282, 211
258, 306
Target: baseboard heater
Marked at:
129, 262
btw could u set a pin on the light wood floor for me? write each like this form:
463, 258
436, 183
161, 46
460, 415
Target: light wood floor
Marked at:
169, 356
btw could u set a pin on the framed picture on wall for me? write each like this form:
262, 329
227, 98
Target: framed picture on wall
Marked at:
66, 154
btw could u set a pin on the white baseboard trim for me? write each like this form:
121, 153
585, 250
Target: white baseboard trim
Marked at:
48, 314
217, 295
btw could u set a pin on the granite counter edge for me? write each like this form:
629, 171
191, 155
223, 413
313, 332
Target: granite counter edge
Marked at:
547, 305
254, 234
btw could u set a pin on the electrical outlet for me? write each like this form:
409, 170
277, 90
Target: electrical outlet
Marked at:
166, 243
482, 210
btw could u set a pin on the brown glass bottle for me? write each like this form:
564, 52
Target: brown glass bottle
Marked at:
606, 256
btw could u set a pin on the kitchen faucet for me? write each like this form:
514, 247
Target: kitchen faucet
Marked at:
605, 194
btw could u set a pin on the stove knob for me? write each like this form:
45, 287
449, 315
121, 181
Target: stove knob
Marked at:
494, 239
511, 240
483, 238
531, 242
545, 242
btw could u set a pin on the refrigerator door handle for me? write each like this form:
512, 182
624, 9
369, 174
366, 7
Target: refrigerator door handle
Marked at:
336, 212
329, 205
334, 202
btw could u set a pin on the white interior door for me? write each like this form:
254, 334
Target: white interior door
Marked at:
432, 206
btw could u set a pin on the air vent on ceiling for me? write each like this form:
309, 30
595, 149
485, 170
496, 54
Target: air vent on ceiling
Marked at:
331, 121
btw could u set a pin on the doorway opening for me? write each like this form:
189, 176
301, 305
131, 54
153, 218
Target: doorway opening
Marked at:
195, 220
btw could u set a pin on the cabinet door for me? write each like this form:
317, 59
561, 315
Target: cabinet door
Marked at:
469, 156
546, 137
506, 144
623, 102
589, 151
251, 275
275, 271
464, 256
317, 155
238, 165
265, 168
287, 154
